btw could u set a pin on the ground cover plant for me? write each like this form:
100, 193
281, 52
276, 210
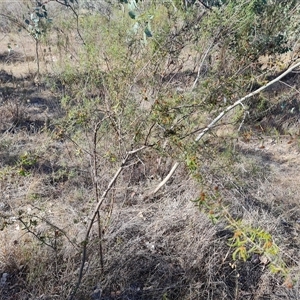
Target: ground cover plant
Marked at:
149, 150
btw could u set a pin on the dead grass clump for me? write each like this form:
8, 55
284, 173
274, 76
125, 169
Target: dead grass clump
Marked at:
13, 114
147, 255
34, 270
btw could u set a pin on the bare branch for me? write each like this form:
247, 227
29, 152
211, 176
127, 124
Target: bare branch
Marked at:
239, 102
213, 44
206, 6
219, 117
95, 214
76, 17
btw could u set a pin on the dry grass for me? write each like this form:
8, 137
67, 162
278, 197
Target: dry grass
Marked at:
162, 248
165, 247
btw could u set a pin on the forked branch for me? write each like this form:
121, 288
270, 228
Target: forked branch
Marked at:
94, 216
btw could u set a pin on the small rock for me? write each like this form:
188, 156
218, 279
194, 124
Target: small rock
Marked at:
3, 279
96, 295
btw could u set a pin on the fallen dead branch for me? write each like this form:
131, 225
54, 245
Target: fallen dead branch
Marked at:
218, 118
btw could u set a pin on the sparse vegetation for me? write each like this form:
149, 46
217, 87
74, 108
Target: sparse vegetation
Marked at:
149, 150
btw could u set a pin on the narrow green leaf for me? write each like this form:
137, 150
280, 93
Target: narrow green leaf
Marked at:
132, 14
234, 254
144, 38
148, 32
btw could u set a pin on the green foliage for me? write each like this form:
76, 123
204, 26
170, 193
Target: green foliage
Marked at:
262, 30
249, 240
38, 22
246, 240
165, 297
26, 162
50, 237
142, 19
